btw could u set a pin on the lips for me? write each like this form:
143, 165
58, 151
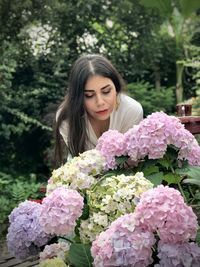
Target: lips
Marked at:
102, 112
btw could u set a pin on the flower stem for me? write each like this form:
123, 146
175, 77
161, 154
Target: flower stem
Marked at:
195, 206
182, 192
190, 190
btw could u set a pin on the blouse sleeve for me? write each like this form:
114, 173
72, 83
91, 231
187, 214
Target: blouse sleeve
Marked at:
131, 113
132, 117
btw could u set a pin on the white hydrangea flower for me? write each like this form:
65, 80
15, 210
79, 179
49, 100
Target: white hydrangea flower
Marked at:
101, 219
79, 173
112, 197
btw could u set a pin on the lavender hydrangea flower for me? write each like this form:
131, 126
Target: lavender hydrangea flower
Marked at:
111, 144
123, 244
178, 255
60, 210
25, 234
162, 210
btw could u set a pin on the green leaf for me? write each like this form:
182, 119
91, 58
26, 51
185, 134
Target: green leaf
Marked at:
80, 255
85, 213
193, 172
164, 162
192, 181
188, 7
150, 170
198, 237
121, 160
156, 178
197, 195
172, 178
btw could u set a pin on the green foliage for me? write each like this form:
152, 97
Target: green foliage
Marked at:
181, 22
80, 255
151, 99
165, 7
20, 107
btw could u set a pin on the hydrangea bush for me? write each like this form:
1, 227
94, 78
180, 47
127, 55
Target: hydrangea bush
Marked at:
124, 203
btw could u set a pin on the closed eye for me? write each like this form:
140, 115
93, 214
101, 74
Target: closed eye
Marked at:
105, 92
88, 95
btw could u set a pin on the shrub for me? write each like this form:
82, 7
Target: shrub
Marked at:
153, 99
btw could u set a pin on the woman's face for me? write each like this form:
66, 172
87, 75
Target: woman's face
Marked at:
99, 97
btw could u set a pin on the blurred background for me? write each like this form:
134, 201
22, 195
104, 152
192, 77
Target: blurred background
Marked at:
154, 44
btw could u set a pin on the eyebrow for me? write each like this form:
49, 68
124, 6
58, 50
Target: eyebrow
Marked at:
104, 87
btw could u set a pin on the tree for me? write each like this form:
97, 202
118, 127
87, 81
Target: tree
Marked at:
180, 22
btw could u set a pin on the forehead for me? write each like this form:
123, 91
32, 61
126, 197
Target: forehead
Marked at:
96, 82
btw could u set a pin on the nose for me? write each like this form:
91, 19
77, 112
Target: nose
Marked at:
99, 100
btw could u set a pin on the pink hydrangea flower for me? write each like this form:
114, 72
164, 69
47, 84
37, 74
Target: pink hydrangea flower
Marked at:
191, 153
162, 210
152, 136
60, 210
54, 250
178, 255
111, 144
123, 244
148, 138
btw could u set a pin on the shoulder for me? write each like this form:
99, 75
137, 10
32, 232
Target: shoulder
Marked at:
128, 114
128, 104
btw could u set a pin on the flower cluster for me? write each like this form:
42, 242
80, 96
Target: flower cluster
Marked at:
123, 244
25, 234
114, 196
150, 138
52, 263
162, 210
78, 173
55, 250
60, 210
161, 213
118, 214
180, 254
111, 144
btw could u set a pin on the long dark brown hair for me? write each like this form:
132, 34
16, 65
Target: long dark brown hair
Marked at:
72, 108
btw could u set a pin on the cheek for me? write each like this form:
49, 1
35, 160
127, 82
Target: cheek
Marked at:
113, 99
88, 105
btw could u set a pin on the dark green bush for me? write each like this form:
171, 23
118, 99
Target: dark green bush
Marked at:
152, 99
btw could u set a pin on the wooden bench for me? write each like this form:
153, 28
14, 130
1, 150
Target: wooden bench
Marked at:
192, 123
7, 260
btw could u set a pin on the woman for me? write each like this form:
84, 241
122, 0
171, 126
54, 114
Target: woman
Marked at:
93, 104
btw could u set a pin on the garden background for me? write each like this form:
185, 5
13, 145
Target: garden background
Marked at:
154, 44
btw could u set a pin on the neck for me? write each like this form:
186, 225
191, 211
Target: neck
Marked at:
99, 127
